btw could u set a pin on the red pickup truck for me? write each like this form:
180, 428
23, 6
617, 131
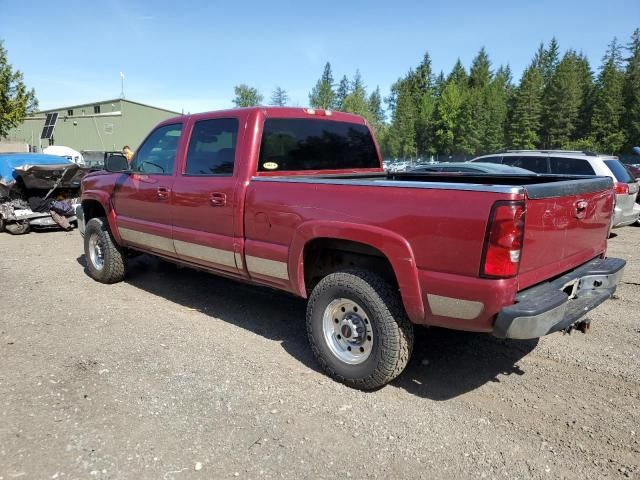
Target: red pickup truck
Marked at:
296, 199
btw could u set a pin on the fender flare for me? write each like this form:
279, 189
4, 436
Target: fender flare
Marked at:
104, 199
393, 246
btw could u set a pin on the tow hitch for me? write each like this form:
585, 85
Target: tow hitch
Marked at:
583, 326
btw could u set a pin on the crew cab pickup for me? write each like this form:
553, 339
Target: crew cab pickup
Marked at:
297, 199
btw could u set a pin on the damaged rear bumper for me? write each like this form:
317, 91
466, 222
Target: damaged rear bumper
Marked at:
556, 305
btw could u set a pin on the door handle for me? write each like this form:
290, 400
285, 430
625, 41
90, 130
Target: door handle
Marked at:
218, 199
163, 193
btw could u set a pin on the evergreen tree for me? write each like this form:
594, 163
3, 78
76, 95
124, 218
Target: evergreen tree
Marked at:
279, 97
496, 108
458, 75
439, 84
356, 101
447, 117
480, 73
631, 93
401, 139
561, 103
341, 93
246, 96
550, 60
526, 112
608, 108
424, 95
15, 100
585, 79
475, 114
375, 109
322, 95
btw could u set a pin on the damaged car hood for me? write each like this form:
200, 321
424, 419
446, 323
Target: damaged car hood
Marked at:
38, 171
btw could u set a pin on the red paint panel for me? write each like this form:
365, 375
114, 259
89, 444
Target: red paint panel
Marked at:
556, 240
494, 294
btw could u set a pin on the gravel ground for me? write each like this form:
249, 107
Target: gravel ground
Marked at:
177, 374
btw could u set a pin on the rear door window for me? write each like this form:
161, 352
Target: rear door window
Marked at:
529, 162
618, 170
306, 144
212, 147
570, 166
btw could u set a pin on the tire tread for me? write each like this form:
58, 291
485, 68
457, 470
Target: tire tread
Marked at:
395, 331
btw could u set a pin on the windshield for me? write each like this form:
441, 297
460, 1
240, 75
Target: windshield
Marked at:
618, 170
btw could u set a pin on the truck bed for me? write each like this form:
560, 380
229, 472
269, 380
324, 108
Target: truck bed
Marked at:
536, 185
441, 217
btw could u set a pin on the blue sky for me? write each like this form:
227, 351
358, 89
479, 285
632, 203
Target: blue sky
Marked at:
189, 55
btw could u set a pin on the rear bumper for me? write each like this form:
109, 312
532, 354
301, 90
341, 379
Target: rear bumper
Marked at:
623, 216
556, 305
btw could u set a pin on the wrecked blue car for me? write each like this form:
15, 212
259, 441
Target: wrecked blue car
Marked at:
38, 191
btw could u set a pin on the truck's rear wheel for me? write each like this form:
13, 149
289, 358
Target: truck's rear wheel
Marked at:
106, 261
358, 329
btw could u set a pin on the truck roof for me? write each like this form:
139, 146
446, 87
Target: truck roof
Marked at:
279, 112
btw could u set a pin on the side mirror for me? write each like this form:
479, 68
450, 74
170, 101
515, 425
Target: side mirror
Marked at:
116, 163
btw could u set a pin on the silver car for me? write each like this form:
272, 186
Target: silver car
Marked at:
568, 162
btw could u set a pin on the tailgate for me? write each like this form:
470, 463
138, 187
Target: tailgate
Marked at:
566, 224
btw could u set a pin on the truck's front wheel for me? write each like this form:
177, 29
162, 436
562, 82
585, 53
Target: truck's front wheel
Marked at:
358, 329
106, 262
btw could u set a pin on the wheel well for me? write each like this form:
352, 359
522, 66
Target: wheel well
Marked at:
92, 209
323, 256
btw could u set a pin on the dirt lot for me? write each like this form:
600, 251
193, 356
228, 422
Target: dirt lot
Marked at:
177, 374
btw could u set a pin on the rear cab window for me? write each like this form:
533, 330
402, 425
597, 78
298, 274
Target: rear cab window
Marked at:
299, 144
534, 163
618, 170
570, 166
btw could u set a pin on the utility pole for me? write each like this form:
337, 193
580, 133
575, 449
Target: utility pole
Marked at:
121, 85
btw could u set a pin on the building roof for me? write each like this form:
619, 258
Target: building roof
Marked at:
100, 102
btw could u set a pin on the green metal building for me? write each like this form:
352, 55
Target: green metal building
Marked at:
93, 128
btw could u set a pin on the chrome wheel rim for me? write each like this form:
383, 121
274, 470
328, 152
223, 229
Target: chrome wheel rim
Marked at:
96, 253
347, 331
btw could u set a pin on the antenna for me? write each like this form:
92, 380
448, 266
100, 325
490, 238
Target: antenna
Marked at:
121, 85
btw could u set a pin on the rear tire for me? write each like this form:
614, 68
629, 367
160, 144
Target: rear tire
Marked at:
106, 261
358, 329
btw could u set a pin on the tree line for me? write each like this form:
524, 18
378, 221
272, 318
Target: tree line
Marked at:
559, 103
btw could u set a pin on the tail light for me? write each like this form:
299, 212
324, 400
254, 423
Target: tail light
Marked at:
621, 188
503, 240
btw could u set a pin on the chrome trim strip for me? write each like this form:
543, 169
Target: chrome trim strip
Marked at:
270, 268
202, 252
147, 239
454, 307
509, 189
238, 258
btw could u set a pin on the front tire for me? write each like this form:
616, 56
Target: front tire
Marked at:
358, 329
106, 261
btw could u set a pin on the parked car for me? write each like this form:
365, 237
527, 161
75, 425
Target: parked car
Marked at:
566, 162
478, 167
30, 183
296, 199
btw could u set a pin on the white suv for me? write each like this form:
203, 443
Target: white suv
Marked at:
567, 162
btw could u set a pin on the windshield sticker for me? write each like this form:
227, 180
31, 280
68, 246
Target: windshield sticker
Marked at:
270, 165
